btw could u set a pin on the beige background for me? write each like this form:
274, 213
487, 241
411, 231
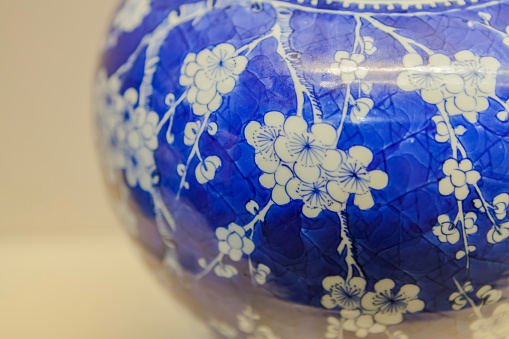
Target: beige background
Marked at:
66, 268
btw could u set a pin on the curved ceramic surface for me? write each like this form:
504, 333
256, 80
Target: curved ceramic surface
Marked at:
346, 162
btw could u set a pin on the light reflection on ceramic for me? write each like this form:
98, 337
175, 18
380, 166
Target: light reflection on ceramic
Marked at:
316, 169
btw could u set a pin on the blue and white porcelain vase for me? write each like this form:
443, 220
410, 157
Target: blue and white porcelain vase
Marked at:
316, 169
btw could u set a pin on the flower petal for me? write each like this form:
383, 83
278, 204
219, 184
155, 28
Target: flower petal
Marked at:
295, 124
369, 301
473, 177
415, 305
222, 233
384, 286
325, 133
358, 58
364, 201
404, 82
311, 212
215, 103
432, 96
328, 302
282, 150
341, 55
454, 83
240, 64
204, 97
226, 86
223, 246
292, 188
449, 166
445, 186
274, 119
204, 57
465, 56
283, 175
234, 228
440, 61
361, 72
307, 173
235, 254
199, 109
378, 179
453, 238
461, 193
388, 319
347, 78
280, 196
409, 291
331, 281
336, 192
202, 81
362, 154
267, 180
333, 159
249, 246
411, 60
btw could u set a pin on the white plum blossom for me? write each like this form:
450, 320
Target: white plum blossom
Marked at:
191, 132
206, 170
234, 242
363, 326
479, 74
432, 80
498, 233
489, 295
301, 162
494, 327
442, 131
479, 77
314, 195
247, 320
109, 105
458, 301
136, 136
466, 105
470, 220
108, 100
352, 177
306, 149
247, 323
209, 75
446, 231
345, 294
458, 177
225, 271
369, 45
334, 329
347, 66
360, 109
260, 276
263, 140
389, 306
131, 14
501, 202
278, 182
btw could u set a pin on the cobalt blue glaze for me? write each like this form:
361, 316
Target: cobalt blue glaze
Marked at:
345, 160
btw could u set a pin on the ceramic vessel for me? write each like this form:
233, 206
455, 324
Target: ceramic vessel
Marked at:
309, 169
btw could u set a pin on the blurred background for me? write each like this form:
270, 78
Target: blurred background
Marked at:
67, 268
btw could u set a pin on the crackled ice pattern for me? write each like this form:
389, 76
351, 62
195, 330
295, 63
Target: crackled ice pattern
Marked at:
349, 158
